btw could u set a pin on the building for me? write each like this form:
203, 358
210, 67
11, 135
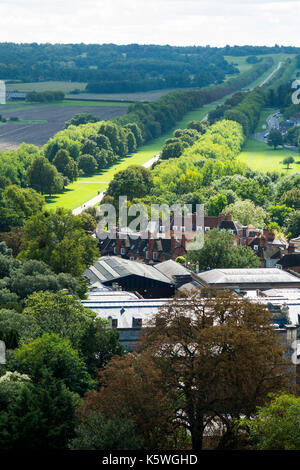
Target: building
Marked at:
249, 279
130, 276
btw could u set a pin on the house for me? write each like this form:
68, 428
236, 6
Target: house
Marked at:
130, 276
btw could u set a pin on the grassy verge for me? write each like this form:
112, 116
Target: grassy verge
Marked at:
259, 156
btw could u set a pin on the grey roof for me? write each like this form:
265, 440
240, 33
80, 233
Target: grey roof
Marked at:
113, 268
171, 268
125, 309
248, 276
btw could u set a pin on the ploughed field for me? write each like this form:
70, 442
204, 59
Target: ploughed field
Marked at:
37, 123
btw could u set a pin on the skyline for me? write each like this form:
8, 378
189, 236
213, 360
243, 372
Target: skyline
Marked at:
173, 22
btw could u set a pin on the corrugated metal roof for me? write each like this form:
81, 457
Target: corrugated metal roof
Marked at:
240, 276
113, 268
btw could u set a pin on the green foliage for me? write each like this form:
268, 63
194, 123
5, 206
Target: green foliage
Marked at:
44, 177
45, 96
278, 213
63, 314
88, 164
135, 181
36, 415
247, 213
57, 356
292, 225
59, 240
96, 432
276, 425
219, 252
275, 138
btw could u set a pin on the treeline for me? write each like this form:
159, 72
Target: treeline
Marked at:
45, 96
112, 68
245, 107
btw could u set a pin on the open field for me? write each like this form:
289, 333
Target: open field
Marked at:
39, 122
84, 188
143, 96
66, 87
259, 156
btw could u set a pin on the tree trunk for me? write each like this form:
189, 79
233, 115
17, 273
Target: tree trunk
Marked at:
197, 431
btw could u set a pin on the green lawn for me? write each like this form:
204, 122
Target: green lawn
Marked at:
66, 87
259, 156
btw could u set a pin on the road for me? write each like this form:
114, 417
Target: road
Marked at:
99, 197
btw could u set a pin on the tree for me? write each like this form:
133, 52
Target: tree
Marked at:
57, 356
88, 164
279, 212
276, 425
65, 164
207, 360
136, 181
44, 177
219, 252
58, 239
291, 198
288, 161
150, 408
246, 212
275, 138
35, 415
96, 432
292, 225
216, 204
63, 314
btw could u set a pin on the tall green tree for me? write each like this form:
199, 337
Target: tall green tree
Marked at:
219, 252
58, 239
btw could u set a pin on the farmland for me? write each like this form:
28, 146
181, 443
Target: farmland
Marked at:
38, 122
66, 87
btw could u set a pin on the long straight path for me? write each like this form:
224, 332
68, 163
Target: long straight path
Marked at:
95, 200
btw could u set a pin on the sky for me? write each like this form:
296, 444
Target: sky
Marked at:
174, 22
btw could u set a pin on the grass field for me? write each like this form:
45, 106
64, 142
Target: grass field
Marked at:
259, 156
85, 189
66, 87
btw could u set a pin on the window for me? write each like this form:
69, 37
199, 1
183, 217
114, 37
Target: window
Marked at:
115, 250
131, 258
137, 322
255, 247
123, 251
147, 254
155, 255
199, 228
207, 229
114, 323
175, 227
182, 228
